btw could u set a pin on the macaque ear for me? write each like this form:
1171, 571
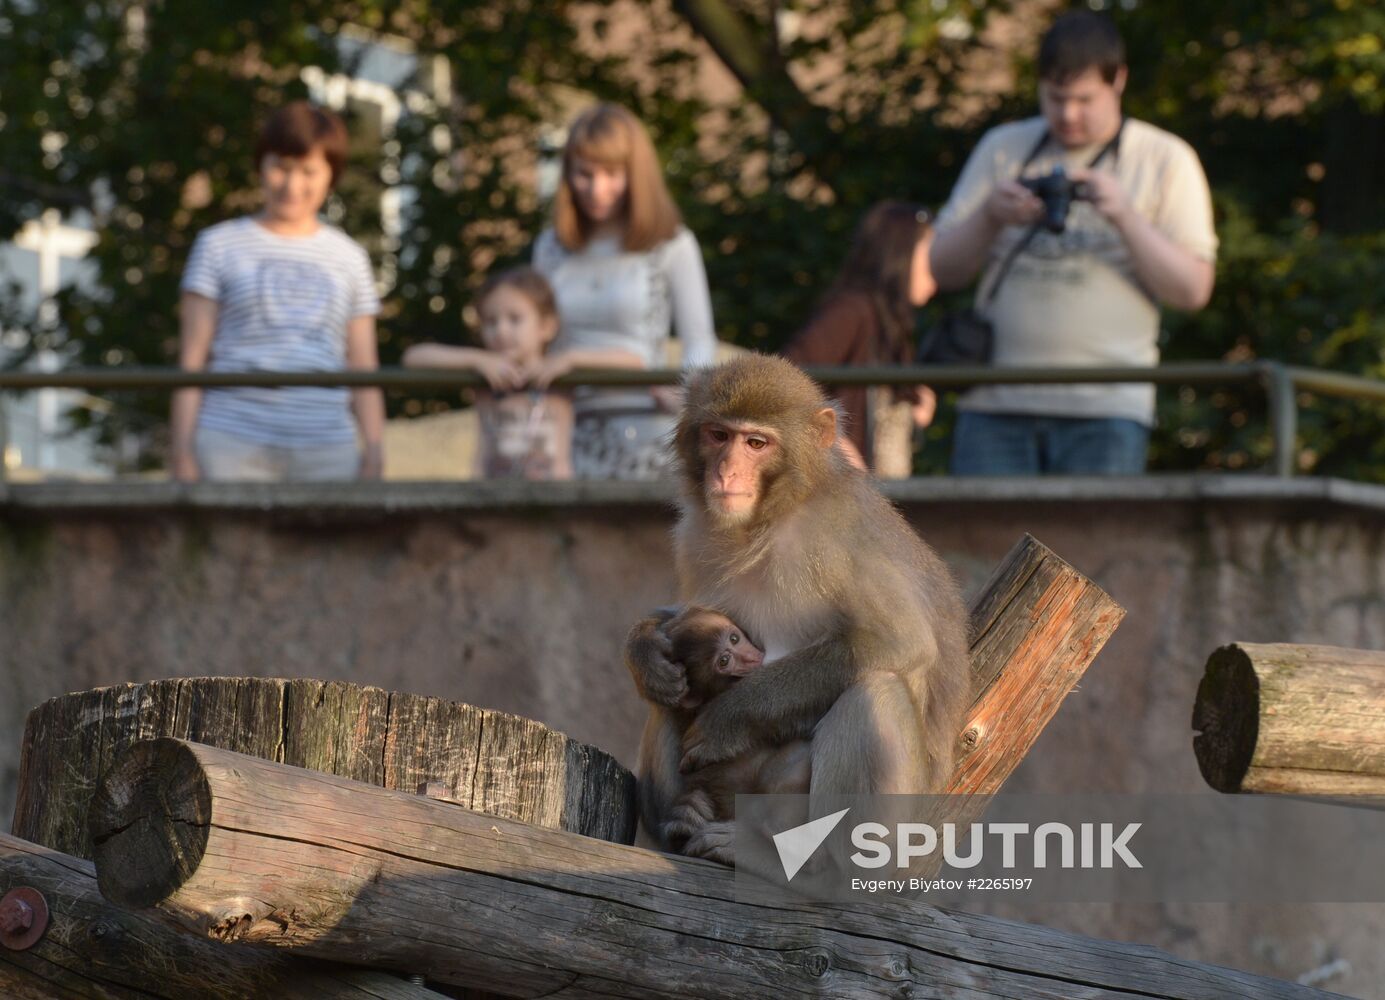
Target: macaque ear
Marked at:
825, 422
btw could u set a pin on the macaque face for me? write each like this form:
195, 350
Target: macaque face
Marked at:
727, 655
736, 457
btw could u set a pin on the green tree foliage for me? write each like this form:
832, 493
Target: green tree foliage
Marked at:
1283, 102
144, 113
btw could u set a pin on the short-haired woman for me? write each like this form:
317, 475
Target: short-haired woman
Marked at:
280, 291
624, 269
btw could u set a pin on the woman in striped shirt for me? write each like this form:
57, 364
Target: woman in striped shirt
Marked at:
281, 291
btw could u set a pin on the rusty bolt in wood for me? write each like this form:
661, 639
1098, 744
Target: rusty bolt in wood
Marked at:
23, 918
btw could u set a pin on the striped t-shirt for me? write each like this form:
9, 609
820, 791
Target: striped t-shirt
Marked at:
284, 302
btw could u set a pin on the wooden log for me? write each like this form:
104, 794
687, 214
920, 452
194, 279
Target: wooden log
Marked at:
92, 949
1301, 720
490, 761
241, 849
1036, 626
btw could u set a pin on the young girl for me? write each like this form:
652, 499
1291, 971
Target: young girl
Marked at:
525, 434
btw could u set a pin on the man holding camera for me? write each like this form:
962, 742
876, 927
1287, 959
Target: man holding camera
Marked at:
1116, 220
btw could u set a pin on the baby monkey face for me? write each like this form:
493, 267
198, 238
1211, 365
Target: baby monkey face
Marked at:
736, 655
713, 649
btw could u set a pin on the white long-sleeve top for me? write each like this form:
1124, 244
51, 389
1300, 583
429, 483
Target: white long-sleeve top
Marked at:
612, 298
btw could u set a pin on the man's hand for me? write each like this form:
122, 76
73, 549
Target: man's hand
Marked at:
1106, 195
1010, 203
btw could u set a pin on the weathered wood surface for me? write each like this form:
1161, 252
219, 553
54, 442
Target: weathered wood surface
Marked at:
240, 849
1036, 626
92, 949
490, 761
1303, 720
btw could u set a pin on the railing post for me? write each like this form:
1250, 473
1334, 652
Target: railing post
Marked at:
4, 438
1283, 414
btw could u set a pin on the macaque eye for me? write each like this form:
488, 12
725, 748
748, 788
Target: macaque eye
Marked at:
756, 443
724, 659
718, 434
735, 638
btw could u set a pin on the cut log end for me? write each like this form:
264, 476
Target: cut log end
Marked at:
153, 810
1226, 717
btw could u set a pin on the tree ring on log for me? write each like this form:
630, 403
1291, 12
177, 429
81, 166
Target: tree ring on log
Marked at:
132, 817
1226, 717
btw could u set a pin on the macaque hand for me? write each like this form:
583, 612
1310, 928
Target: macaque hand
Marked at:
714, 736
1012, 204
648, 655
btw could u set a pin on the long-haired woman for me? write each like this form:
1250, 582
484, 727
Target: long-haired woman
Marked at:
625, 270
867, 318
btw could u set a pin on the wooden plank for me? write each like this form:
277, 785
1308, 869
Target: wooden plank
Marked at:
92, 949
286, 861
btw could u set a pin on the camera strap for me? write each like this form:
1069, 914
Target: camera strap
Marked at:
1113, 146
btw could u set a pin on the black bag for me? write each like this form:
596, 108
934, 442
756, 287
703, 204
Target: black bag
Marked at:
964, 336
960, 337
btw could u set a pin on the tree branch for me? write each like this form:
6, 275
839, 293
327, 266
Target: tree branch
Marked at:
755, 60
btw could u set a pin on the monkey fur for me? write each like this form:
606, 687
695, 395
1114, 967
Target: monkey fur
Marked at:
715, 653
862, 626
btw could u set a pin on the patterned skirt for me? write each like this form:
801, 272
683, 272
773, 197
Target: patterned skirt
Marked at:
622, 444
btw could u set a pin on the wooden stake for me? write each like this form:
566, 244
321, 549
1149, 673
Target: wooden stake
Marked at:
1301, 720
1036, 627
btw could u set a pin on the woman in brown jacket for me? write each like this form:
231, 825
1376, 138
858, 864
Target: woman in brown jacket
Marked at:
867, 318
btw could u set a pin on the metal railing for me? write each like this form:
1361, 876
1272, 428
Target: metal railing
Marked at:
1281, 383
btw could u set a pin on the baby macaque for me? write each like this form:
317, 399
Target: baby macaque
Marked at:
715, 653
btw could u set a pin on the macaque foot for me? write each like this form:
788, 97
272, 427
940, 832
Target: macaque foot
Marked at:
715, 842
689, 815
702, 747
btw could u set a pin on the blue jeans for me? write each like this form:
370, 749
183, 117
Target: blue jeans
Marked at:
1012, 444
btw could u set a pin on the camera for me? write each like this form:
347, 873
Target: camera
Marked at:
1057, 191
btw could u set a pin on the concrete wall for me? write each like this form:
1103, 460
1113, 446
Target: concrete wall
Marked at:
517, 598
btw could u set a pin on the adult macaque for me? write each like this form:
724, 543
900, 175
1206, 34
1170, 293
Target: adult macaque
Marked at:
715, 653
862, 627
